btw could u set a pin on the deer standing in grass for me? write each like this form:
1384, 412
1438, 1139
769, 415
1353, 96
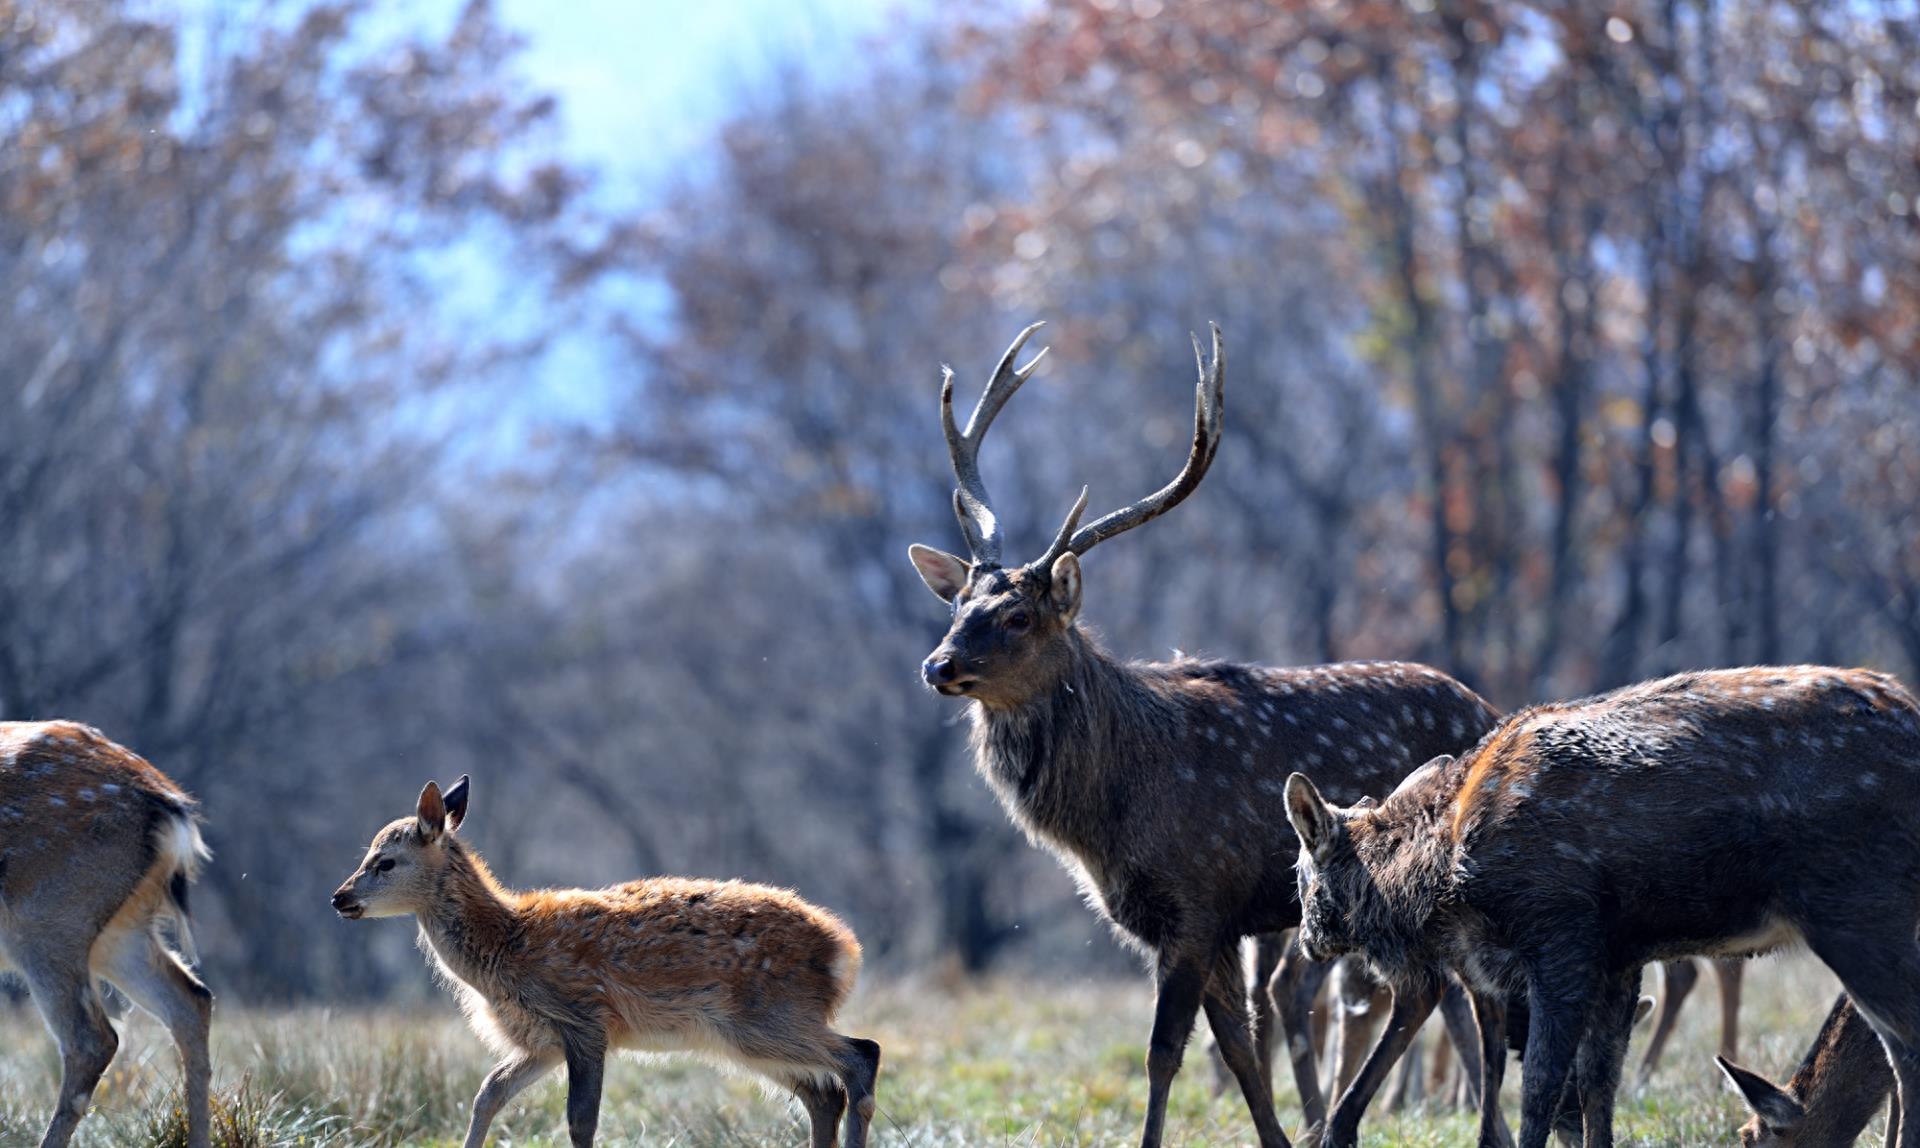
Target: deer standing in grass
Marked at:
96, 850
1718, 814
745, 974
1841, 1083
1160, 784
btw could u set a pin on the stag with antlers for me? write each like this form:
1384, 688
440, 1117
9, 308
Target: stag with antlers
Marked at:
1161, 784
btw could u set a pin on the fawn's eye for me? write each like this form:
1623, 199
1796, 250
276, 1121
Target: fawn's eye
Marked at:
384, 865
1019, 622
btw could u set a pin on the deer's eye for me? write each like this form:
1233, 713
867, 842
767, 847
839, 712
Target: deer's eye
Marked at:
1019, 622
384, 865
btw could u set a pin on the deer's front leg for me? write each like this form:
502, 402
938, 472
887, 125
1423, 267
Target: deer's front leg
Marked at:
1411, 1006
586, 1054
1490, 1017
1182, 982
507, 1080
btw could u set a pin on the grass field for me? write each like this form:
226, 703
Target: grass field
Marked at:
1003, 1063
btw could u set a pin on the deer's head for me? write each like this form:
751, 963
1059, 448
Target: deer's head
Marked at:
1008, 641
402, 868
1345, 854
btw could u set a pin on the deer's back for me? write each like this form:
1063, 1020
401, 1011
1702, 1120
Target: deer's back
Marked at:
1193, 829
1706, 805
670, 957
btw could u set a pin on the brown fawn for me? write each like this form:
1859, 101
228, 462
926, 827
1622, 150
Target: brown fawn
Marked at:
1160, 784
1720, 814
96, 850
1841, 1083
747, 975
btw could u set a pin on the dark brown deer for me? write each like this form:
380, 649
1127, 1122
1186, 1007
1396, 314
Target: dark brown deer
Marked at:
1718, 814
1843, 1081
1160, 785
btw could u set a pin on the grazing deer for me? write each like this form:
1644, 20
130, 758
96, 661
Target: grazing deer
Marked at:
1677, 979
1833, 1094
745, 974
1160, 784
1719, 814
96, 850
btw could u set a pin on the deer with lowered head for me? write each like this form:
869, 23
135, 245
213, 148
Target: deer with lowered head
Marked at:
1841, 1083
746, 975
1723, 813
96, 850
1161, 784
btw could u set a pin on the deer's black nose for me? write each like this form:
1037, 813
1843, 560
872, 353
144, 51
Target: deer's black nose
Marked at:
937, 670
342, 900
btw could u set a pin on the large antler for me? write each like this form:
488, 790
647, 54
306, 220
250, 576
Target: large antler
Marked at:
970, 503
1209, 406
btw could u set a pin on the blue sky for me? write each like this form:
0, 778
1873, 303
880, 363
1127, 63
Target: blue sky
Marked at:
643, 82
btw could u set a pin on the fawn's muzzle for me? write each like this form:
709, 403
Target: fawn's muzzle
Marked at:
346, 906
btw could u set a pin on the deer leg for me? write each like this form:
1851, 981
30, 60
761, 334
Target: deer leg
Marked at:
586, 1056
1603, 1047
1268, 951
153, 978
1296, 982
1411, 1007
1490, 1017
1440, 1071
1730, 974
1407, 1089
1358, 1001
1677, 979
826, 1102
1182, 984
1226, 1005
859, 1075
1893, 1121
1456, 1012
64, 993
508, 1079
1557, 1002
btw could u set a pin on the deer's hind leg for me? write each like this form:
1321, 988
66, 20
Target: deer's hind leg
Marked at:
1677, 979
135, 962
825, 1102
859, 1069
62, 988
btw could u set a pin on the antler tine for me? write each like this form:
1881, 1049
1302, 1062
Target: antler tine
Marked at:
970, 502
1209, 410
1065, 536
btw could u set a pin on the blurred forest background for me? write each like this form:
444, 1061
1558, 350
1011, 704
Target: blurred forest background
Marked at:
353, 433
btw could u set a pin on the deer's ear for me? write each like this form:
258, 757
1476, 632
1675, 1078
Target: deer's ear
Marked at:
1063, 585
1308, 812
456, 803
432, 812
944, 573
1773, 1106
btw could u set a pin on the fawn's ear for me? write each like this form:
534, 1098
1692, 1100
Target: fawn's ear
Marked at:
432, 812
1311, 818
1064, 585
456, 803
1773, 1106
945, 574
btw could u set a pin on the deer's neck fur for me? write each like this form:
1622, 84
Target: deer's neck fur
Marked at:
1052, 759
472, 922
1843, 1081
1408, 889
